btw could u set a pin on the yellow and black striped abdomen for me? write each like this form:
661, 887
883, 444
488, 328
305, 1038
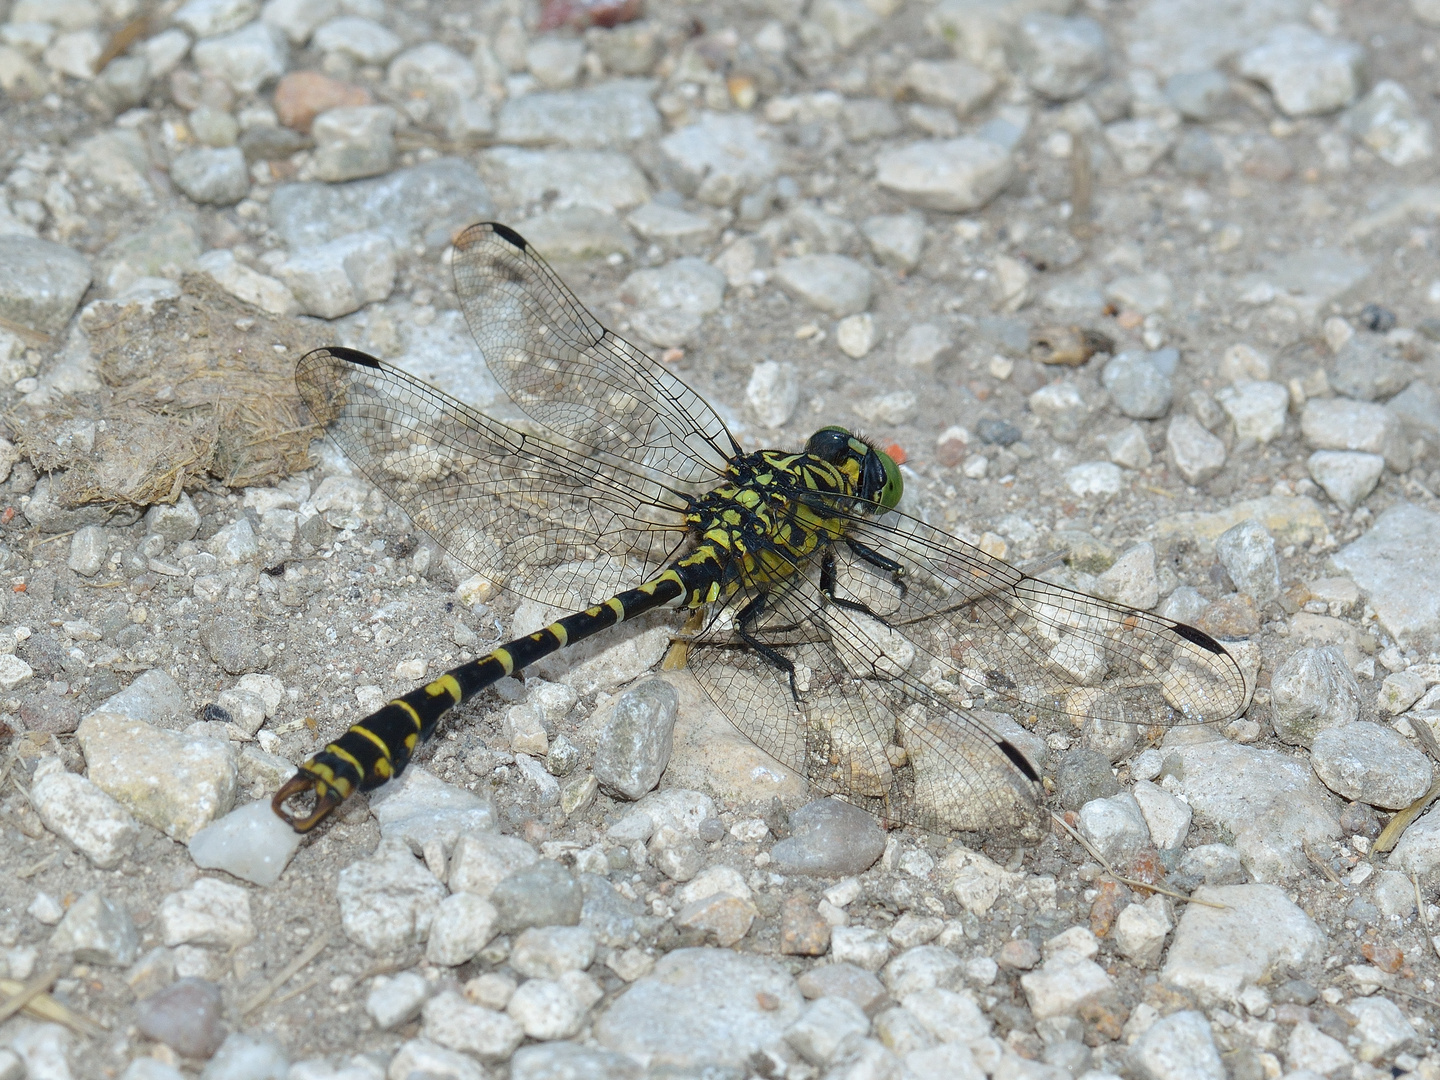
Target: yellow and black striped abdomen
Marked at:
379, 746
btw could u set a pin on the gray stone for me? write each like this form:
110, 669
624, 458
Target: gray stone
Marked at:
1308, 73
1178, 1047
922, 968
1370, 763
445, 80
863, 119
1313, 690
1399, 691
1247, 551
1199, 95
1140, 383
1323, 273
542, 894
81, 814
773, 392
1065, 982
555, 61
354, 142
1394, 894
950, 84
97, 930
1271, 803
173, 522
1197, 155
388, 900
153, 697
424, 811
1140, 931
1418, 852
1115, 826
299, 19
549, 952
1367, 369
341, 276
212, 175
233, 642
1387, 121
1143, 293
1196, 454
1172, 36
422, 1057
1418, 407
720, 157
1391, 564
1082, 776
1217, 952
822, 232
187, 1016
458, 1025
634, 746
847, 21
577, 232
165, 249
40, 283
955, 175
829, 838
825, 1024
1360, 426
607, 116
88, 548
672, 226
896, 239
1257, 409
114, 160
243, 1056
1383, 1027
627, 49
702, 1007
571, 1061
395, 1000
481, 860
245, 59
836, 284
210, 912
1060, 57
425, 203
1215, 864
922, 345
1060, 406
602, 179
1139, 144
1347, 477
362, 40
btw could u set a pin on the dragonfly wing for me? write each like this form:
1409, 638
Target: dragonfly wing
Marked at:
546, 521
853, 722
1002, 634
558, 364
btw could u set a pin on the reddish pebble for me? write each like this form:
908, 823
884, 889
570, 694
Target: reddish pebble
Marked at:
304, 95
1110, 899
583, 13
1385, 957
1021, 954
897, 453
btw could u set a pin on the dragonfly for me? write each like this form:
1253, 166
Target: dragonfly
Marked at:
864, 649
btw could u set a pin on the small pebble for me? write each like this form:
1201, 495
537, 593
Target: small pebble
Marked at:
185, 1016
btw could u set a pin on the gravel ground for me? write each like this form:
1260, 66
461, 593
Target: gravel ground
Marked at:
1148, 283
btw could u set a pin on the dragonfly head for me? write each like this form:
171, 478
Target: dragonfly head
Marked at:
877, 477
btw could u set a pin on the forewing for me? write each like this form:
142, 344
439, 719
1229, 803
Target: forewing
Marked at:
546, 521
569, 373
1000, 633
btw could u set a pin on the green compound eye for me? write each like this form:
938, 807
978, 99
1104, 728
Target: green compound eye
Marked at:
894, 486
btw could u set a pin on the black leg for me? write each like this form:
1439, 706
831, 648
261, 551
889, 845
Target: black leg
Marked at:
874, 558
747, 617
827, 586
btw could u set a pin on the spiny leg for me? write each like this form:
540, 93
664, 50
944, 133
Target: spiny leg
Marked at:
874, 558
828, 586
747, 618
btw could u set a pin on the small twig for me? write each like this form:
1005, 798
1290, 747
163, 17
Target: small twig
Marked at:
31, 871
33, 998
310, 985
1134, 883
1416, 997
1390, 835
1319, 863
50, 539
268, 991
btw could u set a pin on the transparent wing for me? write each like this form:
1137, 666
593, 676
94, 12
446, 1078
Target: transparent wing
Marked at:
906, 633
569, 373
550, 522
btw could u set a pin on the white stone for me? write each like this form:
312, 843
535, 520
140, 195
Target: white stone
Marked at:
245, 58
950, 1016
548, 952
1383, 1027
1257, 409
1370, 763
1180, 1045
922, 345
856, 334
1063, 983
1140, 931
299, 19
1129, 448
342, 276
955, 175
97, 930
773, 392
836, 284
209, 912
1094, 478
1347, 477
1311, 1050
482, 860
456, 1024
826, 1023
250, 843
601, 179
858, 945
1197, 454
75, 53
81, 814
363, 40
387, 901
463, 925
1167, 817
421, 1057
546, 1009
247, 285
395, 1000
1387, 121
1138, 144
720, 157
1218, 952
1308, 73
206, 18
354, 142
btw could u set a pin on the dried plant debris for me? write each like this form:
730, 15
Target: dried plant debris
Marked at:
197, 389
